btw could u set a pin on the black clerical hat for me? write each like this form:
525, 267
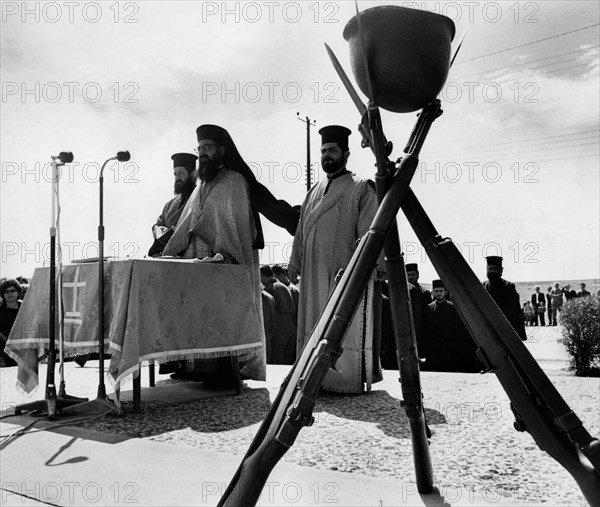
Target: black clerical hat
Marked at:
438, 284
187, 160
335, 134
494, 260
214, 133
412, 267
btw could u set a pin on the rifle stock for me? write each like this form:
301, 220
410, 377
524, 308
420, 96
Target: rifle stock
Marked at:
400, 305
408, 366
294, 404
537, 405
283, 427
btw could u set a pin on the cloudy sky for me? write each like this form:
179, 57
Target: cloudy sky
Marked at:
511, 167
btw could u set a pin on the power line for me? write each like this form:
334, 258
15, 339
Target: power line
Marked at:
515, 160
477, 152
528, 43
528, 155
482, 73
297, 105
509, 153
570, 158
512, 158
524, 149
544, 138
566, 68
511, 79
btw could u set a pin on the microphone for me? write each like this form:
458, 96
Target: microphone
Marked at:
65, 157
123, 156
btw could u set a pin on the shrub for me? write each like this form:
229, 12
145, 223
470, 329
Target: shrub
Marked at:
580, 318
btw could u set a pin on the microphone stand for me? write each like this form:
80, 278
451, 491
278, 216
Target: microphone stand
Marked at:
52, 403
102, 404
62, 392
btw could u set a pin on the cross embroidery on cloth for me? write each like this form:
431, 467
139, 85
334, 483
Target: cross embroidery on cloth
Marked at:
73, 316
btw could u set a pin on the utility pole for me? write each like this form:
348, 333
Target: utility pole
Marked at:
309, 124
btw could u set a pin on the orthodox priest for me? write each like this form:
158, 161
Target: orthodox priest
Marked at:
221, 217
447, 345
412, 275
505, 294
184, 172
335, 214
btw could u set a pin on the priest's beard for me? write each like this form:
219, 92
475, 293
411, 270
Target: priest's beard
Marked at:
184, 187
331, 165
209, 168
439, 297
494, 277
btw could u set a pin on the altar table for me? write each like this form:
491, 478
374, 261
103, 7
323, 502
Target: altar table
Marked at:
154, 310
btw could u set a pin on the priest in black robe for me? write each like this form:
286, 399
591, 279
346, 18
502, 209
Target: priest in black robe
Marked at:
184, 172
505, 294
412, 275
447, 345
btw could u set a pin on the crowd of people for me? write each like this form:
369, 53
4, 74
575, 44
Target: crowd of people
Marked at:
443, 341
534, 311
280, 312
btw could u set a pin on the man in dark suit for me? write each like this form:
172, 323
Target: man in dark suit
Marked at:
569, 293
583, 293
538, 301
551, 310
504, 294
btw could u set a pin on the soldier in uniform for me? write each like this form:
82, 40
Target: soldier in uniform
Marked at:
184, 171
504, 294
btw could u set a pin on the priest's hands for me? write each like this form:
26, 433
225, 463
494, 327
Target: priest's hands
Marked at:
293, 274
218, 258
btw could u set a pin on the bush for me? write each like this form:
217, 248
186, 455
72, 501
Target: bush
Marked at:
580, 318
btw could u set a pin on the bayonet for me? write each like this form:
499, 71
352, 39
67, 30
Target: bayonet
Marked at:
362, 109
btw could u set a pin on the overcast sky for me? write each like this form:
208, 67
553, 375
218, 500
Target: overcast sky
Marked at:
510, 168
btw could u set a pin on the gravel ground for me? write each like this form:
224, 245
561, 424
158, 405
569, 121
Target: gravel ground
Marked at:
473, 445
